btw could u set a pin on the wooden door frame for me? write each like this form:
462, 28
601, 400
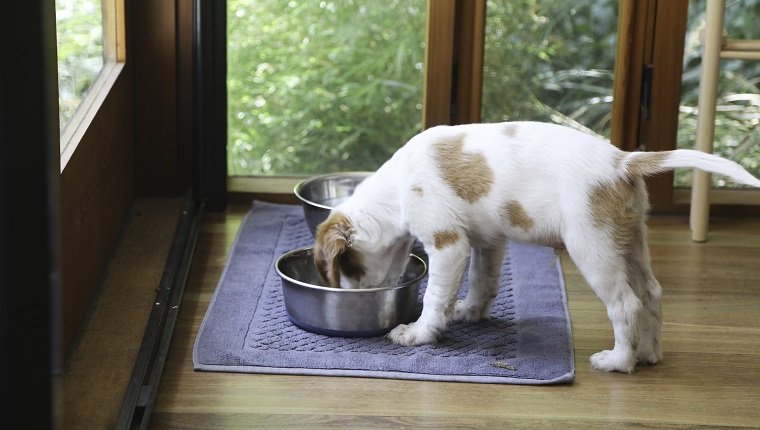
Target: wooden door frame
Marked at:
651, 41
209, 102
454, 47
29, 192
647, 93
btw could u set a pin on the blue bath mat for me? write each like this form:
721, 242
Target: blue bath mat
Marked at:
246, 329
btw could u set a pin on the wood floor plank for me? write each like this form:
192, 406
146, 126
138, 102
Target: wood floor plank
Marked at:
709, 378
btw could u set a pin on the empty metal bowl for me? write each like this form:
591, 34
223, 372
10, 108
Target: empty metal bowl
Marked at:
346, 312
320, 194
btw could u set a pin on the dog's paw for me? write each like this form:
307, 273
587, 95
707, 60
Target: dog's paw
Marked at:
464, 312
412, 335
613, 361
648, 356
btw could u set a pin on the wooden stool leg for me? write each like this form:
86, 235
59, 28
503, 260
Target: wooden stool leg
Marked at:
708, 90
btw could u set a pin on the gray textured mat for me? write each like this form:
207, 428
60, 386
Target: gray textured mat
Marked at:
527, 341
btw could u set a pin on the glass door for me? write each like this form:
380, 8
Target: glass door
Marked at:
322, 86
550, 61
737, 122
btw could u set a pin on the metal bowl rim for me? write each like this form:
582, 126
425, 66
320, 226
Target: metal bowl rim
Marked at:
299, 186
347, 290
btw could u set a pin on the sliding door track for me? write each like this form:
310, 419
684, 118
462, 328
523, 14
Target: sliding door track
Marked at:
146, 375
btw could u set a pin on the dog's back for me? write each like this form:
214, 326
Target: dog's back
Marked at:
517, 178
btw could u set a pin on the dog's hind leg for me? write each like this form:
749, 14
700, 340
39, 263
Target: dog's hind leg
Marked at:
603, 267
483, 279
650, 293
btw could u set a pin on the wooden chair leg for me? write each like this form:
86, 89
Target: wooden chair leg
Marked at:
708, 89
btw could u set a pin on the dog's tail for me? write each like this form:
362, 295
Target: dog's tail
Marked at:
650, 163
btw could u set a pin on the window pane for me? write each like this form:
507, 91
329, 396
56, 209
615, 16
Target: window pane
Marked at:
550, 61
737, 118
316, 87
79, 27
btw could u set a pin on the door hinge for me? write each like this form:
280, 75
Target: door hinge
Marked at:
646, 91
454, 92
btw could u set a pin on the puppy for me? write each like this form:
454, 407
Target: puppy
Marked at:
462, 191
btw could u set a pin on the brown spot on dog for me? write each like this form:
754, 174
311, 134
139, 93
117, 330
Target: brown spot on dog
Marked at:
333, 253
468, 174
445, 238
510, 130
614, 208
418, 190
553, 241
516, 215
646, 163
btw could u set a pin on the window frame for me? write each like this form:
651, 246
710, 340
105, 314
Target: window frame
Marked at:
114, 58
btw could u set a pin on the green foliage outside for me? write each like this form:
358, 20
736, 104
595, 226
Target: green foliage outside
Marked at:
737, 123
79, 28
318, 87
550, 61
322, 86
327, 86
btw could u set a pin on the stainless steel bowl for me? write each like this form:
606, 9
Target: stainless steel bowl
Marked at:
346, 312
320, 194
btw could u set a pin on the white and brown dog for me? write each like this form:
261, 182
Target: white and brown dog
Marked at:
463, 190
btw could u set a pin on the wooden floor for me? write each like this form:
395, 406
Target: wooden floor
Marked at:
710, 376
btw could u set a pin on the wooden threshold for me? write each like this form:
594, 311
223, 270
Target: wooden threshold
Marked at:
146, 375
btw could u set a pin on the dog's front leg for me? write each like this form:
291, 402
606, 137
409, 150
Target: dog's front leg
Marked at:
484, 276
447, 265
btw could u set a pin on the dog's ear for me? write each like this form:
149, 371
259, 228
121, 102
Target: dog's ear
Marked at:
333, 240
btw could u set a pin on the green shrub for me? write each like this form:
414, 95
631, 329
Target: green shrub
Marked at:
322, 86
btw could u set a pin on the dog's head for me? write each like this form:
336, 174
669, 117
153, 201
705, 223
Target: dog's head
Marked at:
349, 255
